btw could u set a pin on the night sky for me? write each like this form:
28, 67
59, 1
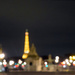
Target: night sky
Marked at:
51, 26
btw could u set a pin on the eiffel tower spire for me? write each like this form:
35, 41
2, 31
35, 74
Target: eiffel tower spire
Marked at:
26, 45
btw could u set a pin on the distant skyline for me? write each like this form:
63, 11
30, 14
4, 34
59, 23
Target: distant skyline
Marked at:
51, 26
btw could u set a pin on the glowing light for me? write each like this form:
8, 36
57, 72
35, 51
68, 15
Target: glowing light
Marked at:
2, 56
26, 49
70, 61
26, 33
73, 57
11, 62
20, 61
56, 59
64, 66
73, 63
4, 62
68, 64
26, 46
45, 63
16, 66
4, 65
25, 56
24, 63
15, 63
63, 62
0, 63
66, 60
70, 57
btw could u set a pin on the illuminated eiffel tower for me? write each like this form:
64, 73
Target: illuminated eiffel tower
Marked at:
26, 45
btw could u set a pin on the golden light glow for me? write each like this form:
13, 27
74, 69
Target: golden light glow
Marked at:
26, 46
26, 33
72, 58
25, 56
68, 64
63, 62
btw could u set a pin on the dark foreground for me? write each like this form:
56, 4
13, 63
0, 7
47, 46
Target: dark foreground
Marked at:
38, 73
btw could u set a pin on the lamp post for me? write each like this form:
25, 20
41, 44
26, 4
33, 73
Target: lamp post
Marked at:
20, 62
4, 63
11, 62
57, 61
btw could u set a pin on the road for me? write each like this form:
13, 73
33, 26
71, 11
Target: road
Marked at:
38, 73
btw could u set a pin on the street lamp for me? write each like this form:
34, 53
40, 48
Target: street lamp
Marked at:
4, 62
66, 60
57, 61
25, 63
2, 55
45, 63
70, 61
20, 61
11, 62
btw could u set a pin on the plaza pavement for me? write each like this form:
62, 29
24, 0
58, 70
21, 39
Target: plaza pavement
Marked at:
38, 73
